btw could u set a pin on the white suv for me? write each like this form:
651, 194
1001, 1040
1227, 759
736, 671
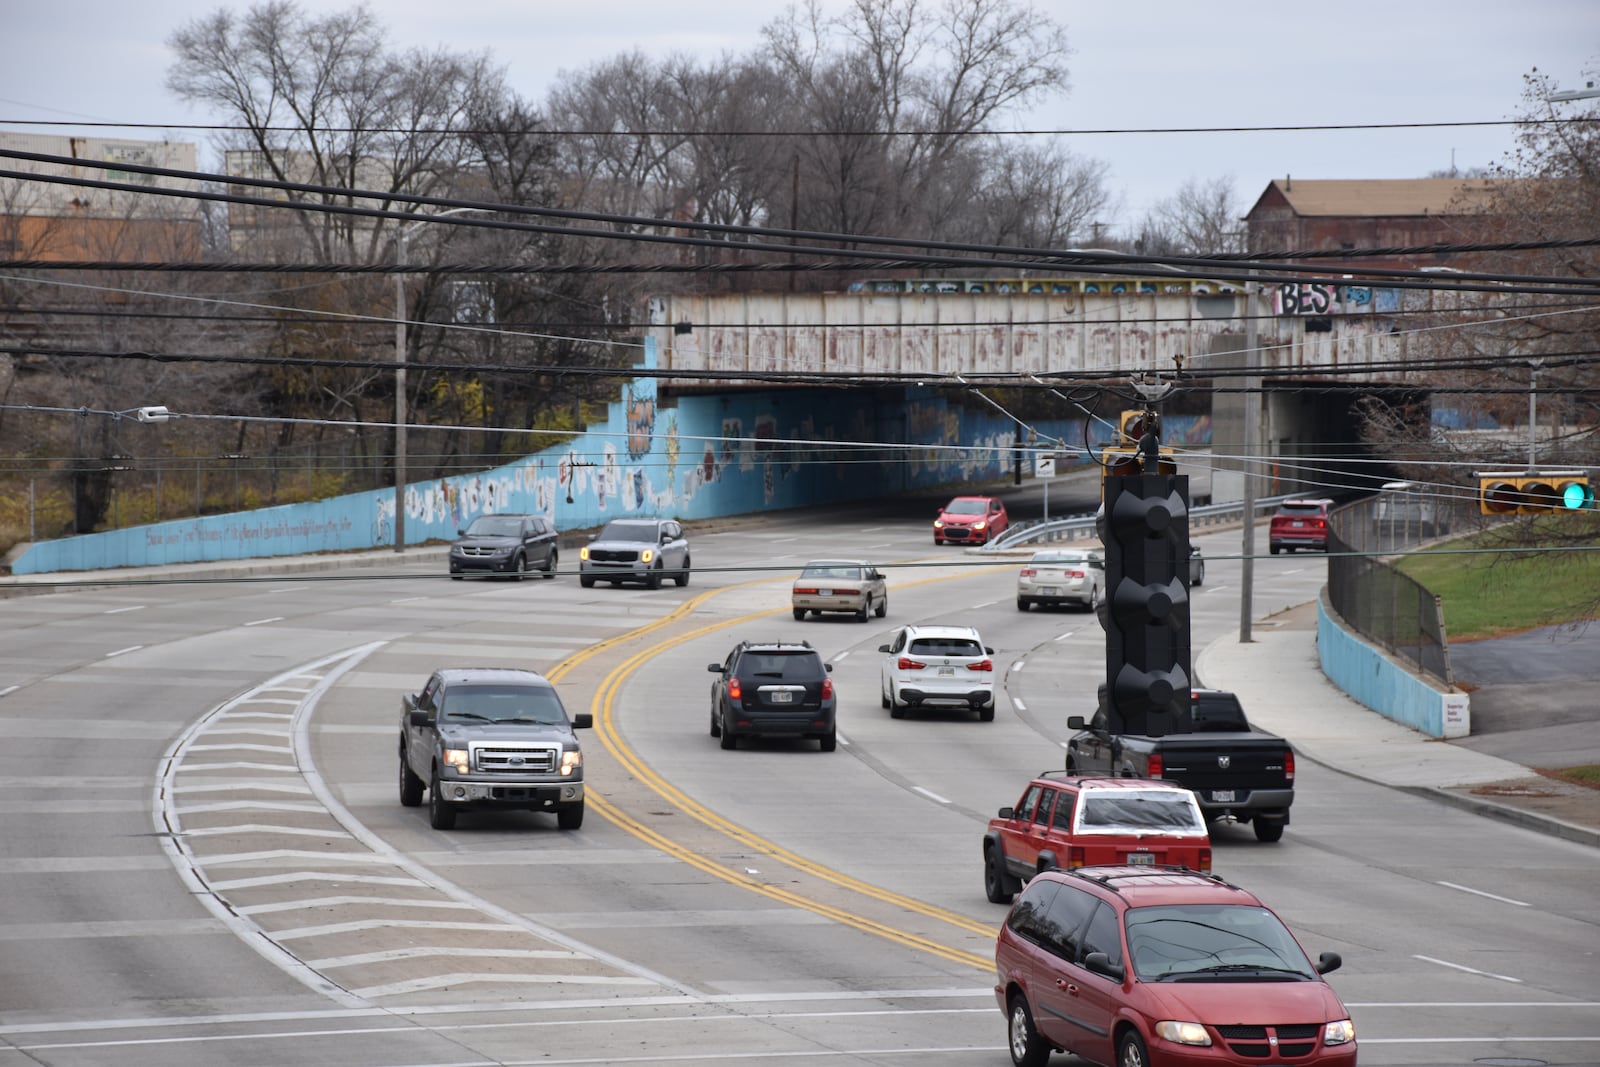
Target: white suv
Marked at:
932, 666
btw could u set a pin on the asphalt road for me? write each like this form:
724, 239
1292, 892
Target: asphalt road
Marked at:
206, 862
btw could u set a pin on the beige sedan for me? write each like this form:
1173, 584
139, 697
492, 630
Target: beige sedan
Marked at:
1062, 576
843, 585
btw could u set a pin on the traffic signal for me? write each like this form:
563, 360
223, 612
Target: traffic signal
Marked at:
1133, 425
1144, 526
1533, 492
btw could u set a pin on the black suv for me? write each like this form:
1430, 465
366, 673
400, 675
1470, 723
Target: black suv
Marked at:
506, 544
773, 689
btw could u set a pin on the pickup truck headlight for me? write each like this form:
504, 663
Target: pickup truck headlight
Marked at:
571, 760
647, 556
457, 758
1340, 1033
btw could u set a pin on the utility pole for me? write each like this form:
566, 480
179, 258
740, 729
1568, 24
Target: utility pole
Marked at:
1252, 419
400, 405
1534, 366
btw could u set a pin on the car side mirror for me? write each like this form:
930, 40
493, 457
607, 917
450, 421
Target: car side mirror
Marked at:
715, 668
583, 720
1100, 963
1076, 722
883, 648
1329, 961
828, 667
461, 533
419, 717
987, 651
1007, 813
593, 536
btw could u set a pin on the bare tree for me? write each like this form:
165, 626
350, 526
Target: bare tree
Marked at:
1204, 217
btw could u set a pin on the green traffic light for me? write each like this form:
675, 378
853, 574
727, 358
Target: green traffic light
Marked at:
1576, 495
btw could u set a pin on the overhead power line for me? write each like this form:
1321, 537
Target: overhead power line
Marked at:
991, 256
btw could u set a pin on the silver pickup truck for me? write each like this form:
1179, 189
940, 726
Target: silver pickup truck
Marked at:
490, 738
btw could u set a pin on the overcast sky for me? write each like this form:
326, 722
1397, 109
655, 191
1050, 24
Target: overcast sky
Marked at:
1155, 64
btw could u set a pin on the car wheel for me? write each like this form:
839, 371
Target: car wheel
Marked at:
897, 710
830, 740
441, 816
728, 740
861, 616
411, 786
550, 567
570, 817
1199, 575
519, 567
799, 614
454, 577
1268, 830
1023, 604
986, 713
654, 581
1027, 1047
1130, 1051
716, 726
1273, 550
586, 581
994, 877
883, 607
682, 577
883, 695
1094, 599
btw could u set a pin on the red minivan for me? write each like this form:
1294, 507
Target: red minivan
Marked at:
1068, 821
1132, 966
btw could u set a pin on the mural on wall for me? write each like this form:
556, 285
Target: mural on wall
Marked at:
745, 452
1318, 298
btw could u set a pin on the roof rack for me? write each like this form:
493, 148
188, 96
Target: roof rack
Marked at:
1135, 873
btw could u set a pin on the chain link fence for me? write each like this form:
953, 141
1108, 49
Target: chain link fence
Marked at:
1386, 607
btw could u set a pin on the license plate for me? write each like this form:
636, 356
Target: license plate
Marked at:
824, 592
785, 697
1298, 524
1222, 796
1142, 859
1049, 590
946, 671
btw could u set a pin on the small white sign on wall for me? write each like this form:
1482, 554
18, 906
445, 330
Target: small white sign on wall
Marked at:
1044, 465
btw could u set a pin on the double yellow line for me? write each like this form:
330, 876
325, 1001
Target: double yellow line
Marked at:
604, 709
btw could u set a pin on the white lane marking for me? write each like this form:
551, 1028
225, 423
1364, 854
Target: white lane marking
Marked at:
9, 690
334, 902
1066, 635
119, 611
408, 599
123, 651
1018, 704
1294, 570
419, 951
1019, 664
839, 657
1481, 893
263, 622
930, 795
987, 604
1215, 588
1469, 970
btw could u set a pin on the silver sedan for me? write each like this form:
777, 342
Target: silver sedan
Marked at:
1062, 576
846, 585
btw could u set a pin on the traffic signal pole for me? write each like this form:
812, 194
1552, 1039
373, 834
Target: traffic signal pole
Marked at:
1252, 416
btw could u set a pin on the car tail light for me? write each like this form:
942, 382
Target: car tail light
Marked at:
1155, 766
1028, 572
985, 665
908, 664
827, 689
804, 592
735, 690
1205, 861
1077, 856
1075, 574
1288, 766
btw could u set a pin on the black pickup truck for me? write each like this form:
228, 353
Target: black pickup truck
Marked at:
1233, 769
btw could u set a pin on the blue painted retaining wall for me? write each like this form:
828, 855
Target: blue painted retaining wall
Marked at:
704, 457
1384, 684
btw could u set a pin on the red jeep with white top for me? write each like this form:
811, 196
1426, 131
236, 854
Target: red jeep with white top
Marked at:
1069, 822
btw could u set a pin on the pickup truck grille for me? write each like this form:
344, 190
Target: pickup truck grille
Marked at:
511, 757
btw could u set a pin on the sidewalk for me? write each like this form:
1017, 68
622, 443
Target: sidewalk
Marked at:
1280, 682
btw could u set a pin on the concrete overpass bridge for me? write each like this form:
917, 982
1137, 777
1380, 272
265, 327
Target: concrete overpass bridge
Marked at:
1337, 343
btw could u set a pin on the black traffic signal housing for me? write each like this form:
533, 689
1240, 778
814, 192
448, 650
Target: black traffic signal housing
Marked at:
1133, 424
1144, 526
1533, 492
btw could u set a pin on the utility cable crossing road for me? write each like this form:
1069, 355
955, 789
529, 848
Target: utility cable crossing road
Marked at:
770, 902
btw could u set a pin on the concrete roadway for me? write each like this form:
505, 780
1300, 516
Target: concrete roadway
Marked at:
773, 901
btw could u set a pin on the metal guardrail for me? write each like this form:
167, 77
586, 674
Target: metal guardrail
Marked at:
1068, 529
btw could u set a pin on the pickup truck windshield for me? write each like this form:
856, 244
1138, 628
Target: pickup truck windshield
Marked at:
502, 703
